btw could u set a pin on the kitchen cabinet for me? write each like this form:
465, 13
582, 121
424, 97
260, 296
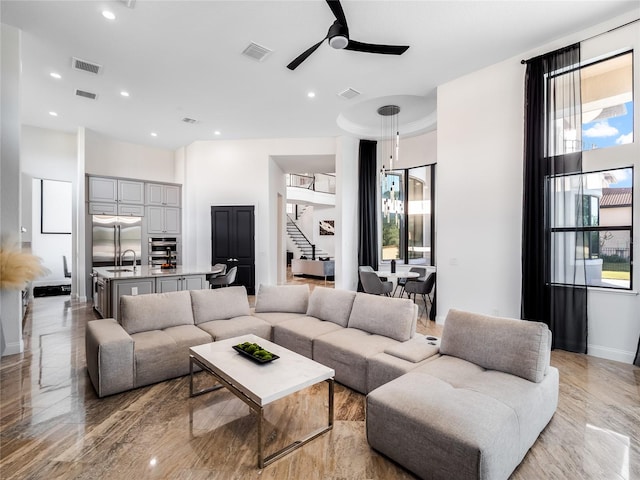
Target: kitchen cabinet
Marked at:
113, 190
164, 195
184, 282
130, 210
96, 208
138, 286
163, 220
103, 189
112, 196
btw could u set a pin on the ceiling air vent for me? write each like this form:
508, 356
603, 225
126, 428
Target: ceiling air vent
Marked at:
349, 93
256, 52
189, 120
129, 3
78, 64
89, 95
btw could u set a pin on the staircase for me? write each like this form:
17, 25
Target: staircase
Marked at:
302, 242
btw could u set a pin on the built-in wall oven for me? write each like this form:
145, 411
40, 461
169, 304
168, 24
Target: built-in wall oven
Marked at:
163, 250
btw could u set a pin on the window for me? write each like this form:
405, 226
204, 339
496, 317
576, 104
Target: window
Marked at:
406, 215
606, 106
600, 229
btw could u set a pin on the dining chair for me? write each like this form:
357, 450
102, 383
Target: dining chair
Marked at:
224, 280
223, 270
422, 288
402, 281
372, 284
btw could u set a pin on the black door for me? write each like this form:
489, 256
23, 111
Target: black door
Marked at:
233, 242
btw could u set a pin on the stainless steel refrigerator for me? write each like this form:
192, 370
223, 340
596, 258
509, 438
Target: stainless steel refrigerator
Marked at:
113, 235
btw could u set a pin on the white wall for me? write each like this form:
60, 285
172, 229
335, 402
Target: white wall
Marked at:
417, 150
110, 157
479, 198
10, 300
239, 173
50, 155
479, 191
49, 247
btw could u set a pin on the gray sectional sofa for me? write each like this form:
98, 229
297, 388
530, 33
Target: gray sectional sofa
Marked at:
151, 343
467, 407
475, 410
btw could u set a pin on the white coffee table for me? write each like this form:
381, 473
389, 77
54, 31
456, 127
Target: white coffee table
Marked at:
260, 384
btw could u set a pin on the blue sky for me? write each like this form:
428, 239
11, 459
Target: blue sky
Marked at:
609, 132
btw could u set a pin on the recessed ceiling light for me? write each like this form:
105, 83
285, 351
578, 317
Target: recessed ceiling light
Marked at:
108, 15
124, 94
217, 132
53, 114
154, 134
56, 75
311, 94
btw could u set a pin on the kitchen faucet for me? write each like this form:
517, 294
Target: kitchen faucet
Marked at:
134, 258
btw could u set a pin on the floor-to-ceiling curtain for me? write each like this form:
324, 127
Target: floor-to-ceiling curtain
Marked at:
368, 212
553, 269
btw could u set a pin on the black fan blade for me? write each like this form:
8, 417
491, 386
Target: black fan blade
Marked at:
373, 48
302, 57
336, 8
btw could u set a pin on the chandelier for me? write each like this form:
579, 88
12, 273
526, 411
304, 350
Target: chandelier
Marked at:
390, 148
390, 135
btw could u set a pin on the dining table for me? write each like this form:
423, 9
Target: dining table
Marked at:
396, 275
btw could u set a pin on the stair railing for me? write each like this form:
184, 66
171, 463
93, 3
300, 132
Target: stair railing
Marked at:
313, 247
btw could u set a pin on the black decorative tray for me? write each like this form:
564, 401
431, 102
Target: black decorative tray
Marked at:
254, 358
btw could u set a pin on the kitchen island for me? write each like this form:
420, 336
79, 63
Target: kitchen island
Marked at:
110, 282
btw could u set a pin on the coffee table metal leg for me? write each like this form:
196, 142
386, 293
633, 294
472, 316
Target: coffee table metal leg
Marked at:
260, 413
193, 360
264, 461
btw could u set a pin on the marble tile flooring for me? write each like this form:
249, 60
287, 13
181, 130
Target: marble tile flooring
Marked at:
53, 426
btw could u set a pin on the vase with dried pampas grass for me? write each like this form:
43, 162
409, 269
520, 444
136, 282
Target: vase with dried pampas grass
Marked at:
18, 267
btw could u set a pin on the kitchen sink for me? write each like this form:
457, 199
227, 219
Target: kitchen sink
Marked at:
119, 270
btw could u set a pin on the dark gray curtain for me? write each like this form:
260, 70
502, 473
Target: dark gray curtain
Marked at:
368, 214
636, 362
553, 276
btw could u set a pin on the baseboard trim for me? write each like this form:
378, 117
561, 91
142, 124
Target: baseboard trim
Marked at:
611, 353
13, 348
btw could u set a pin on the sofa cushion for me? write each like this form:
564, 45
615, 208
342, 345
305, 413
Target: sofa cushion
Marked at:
155, 311
512, 346
219, 304
469, 423
382, 368
273, 318
414, 350
390, 317
157, 357
464, 434
331, 305
298, 334
221, 329
346, 351
282, 298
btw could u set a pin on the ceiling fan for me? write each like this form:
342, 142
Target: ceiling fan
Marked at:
338, 36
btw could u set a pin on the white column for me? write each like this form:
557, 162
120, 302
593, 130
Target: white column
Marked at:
346, 234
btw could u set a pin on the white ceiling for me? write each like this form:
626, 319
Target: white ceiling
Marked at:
182, 58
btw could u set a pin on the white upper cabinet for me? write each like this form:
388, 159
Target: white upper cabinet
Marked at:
130, 191
103, 189
114, 190
165, 195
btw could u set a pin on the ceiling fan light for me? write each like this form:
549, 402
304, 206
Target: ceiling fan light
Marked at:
338, 42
